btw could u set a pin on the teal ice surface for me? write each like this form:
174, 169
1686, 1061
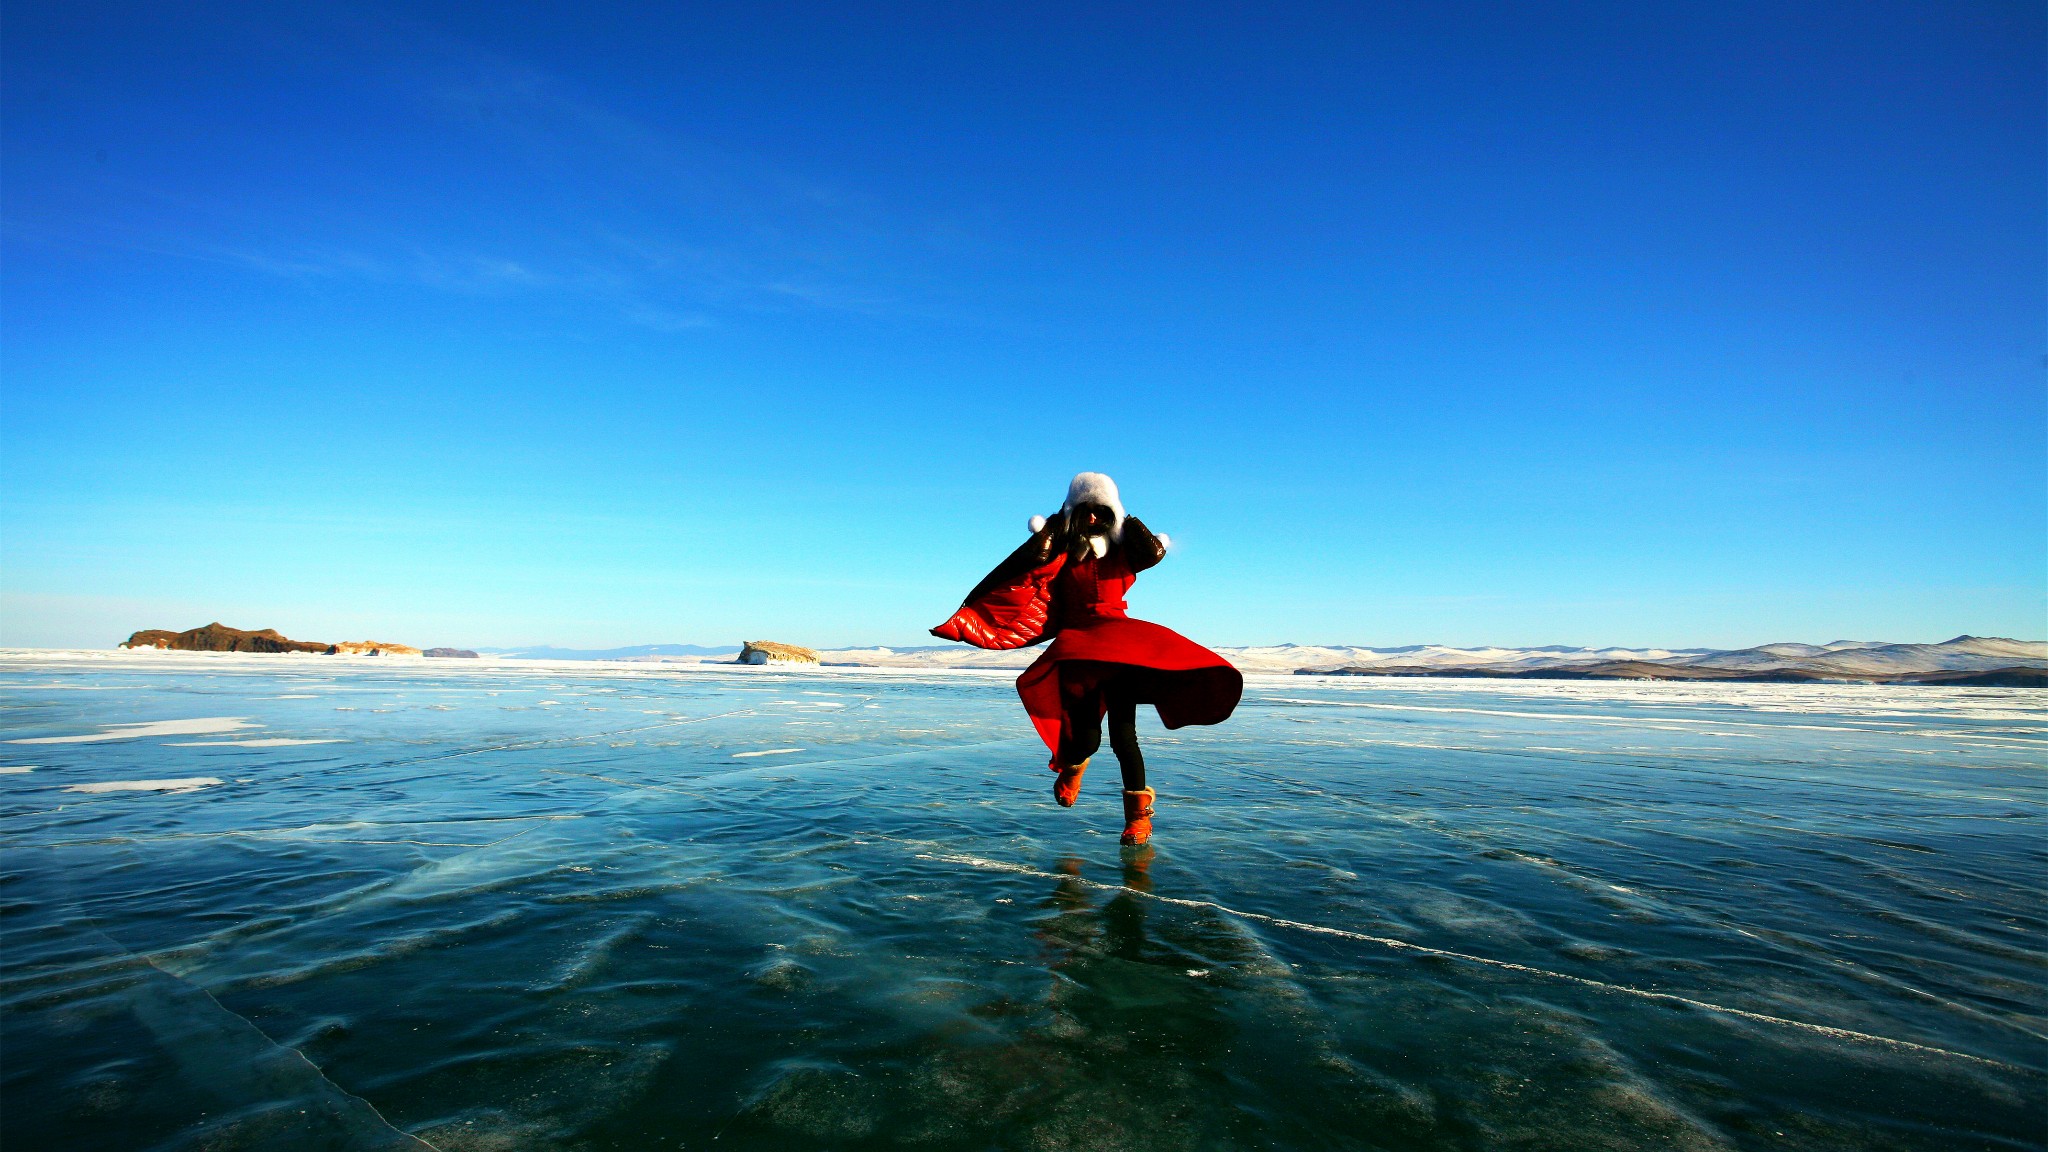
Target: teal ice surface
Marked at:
543, 908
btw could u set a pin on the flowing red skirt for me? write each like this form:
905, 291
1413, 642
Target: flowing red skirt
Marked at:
1187, 683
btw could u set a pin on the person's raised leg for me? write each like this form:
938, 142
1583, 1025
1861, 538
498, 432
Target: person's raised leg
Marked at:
1081, 734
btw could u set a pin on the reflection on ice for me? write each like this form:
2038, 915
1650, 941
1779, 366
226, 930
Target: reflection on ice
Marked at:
1394, 915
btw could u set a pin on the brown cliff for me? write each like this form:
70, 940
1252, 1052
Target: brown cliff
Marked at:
218, 637
373, 648
769, 652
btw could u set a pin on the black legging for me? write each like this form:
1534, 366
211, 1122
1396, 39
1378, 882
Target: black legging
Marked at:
1088, 694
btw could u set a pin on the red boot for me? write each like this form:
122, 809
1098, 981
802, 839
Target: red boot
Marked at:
1138, 816
1068, 787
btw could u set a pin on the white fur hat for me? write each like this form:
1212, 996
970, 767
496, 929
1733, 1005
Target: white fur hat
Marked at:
1092, 488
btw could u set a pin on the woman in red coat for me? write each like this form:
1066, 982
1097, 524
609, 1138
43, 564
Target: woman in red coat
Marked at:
1067, 582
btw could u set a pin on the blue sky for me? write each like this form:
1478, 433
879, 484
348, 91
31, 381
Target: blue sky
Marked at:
1691, 324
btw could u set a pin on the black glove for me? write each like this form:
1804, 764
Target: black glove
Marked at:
1141, 548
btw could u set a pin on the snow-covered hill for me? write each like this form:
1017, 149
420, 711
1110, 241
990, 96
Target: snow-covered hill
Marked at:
1844, 659
1276, 657
1838, 660
1962, 654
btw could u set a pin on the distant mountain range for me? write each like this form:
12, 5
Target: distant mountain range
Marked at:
653, 652
1985, 661
1965, 660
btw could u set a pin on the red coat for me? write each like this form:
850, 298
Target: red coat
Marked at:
1081, 605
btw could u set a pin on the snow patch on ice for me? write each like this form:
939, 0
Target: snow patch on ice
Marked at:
197, 726
182, 784
266, 742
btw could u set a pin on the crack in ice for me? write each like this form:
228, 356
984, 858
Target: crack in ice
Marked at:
1399, 945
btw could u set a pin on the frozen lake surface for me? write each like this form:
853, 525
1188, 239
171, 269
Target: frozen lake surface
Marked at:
303, 902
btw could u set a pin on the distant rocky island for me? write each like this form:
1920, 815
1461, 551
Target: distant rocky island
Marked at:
451, 653
374, 648
769, 652
218, 637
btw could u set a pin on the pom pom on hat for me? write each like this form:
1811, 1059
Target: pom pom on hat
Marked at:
1037, 525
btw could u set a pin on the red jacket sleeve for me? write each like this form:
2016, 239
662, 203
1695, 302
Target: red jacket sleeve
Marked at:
1012, 606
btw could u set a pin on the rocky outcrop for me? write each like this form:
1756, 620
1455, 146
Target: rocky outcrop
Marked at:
218, 637
374, 648
769, 652
452, 653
